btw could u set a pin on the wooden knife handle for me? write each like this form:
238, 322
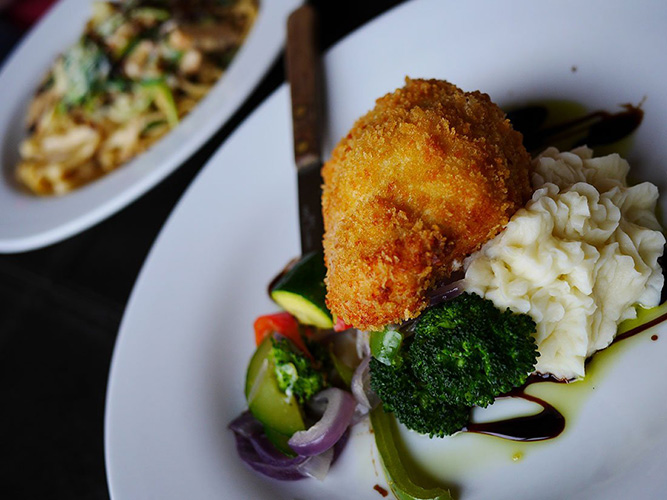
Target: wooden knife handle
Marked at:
303, 65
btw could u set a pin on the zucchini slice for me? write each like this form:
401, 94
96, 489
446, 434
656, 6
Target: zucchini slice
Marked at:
275, 410
301, 291
161, 94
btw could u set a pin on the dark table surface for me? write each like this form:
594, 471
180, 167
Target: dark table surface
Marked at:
60, 308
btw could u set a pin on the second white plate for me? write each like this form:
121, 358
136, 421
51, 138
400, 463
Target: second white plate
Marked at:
30, 222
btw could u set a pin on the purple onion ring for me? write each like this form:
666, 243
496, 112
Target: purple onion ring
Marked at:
325, 433
360, 385
446, 292
257, 452
283, 471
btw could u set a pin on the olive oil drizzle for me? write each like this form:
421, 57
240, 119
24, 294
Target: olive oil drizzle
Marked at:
641, 328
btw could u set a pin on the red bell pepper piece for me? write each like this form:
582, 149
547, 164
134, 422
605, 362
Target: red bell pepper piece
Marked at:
283, 323
341, 326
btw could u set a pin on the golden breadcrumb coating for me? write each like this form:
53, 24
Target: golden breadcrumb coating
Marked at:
418, 184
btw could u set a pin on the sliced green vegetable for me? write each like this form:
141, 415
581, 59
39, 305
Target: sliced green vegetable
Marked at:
120, 52
345, 372
85, 67
386, 344
301, 291
279, 441
117, 85
163, 99
401, 476
150, 14
107, 23
272, 407
152, 125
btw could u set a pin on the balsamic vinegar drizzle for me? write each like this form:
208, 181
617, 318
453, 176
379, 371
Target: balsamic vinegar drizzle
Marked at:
598, 128
641, 328
549, 423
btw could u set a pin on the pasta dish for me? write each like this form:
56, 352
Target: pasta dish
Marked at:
139, 67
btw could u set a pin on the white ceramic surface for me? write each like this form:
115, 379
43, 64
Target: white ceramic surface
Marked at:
28, 222
179, 365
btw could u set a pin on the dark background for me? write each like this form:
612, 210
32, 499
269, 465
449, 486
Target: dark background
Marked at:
60, 308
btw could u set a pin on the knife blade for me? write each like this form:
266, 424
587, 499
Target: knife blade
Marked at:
303, 74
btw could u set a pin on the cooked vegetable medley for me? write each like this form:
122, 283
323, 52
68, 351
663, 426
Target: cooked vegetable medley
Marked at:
139, 67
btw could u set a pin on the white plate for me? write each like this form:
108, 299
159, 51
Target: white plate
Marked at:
30, 222
179, 365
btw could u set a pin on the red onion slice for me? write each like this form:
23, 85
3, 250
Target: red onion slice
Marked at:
248, 427
363, 343
361, 385
317, 466
256, 451
446, 292
329, 429
283, 472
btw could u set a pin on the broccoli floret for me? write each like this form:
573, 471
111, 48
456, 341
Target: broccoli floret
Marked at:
412, 404
463, 353
295, 372
471, 351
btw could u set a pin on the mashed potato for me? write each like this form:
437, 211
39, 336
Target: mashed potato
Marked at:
577, 258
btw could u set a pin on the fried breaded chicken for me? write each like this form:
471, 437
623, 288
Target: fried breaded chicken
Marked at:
418, 184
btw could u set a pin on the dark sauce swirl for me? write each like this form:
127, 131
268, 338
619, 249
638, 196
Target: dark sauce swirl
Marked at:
641, 328
598, 128
549, 423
